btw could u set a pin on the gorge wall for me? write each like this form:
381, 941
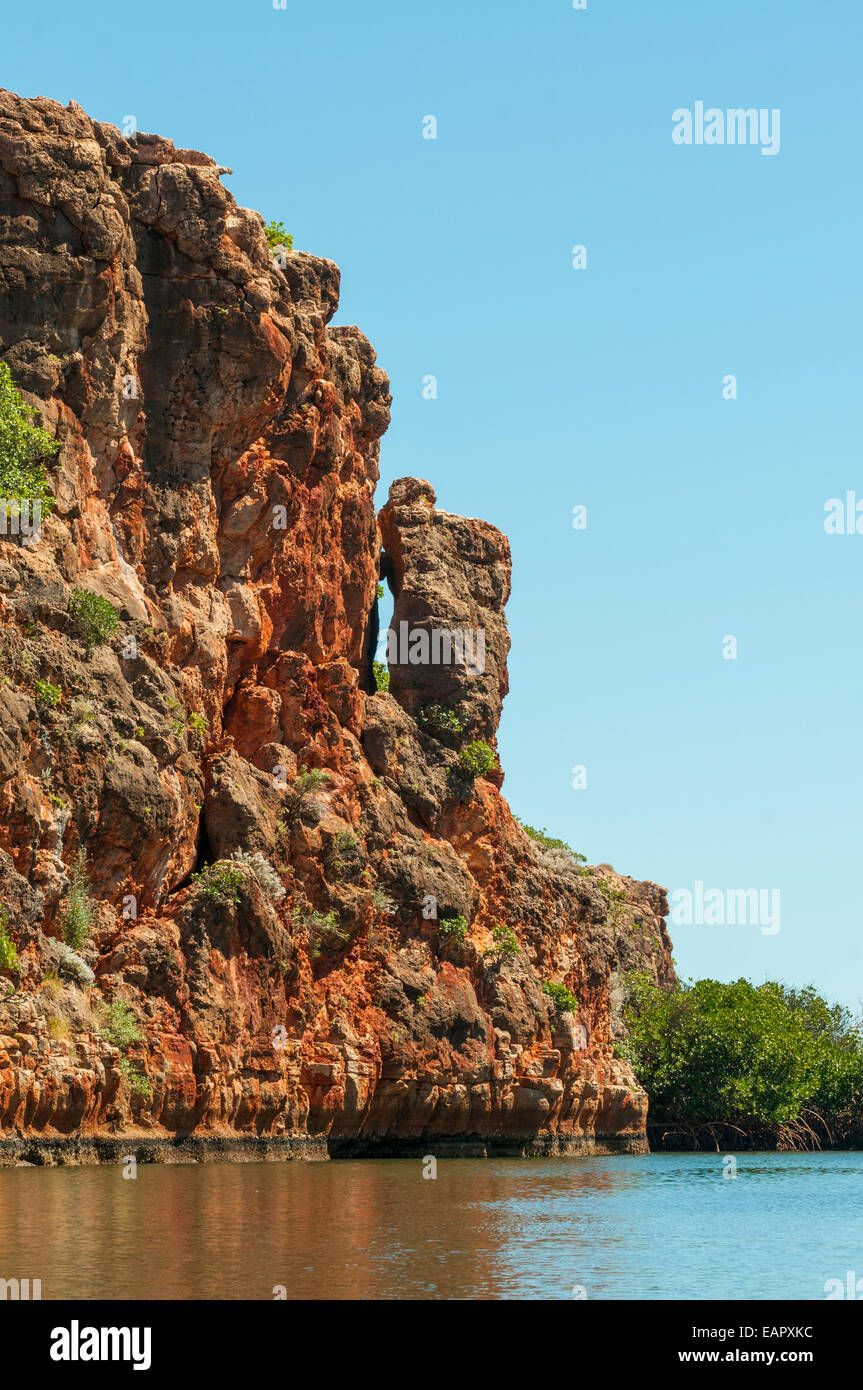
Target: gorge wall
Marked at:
219, 446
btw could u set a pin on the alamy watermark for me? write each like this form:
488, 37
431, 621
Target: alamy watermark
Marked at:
735, 126
729, 907
851, 1289
20, 1289
77, 1343
844, 516
21, 518
438, 646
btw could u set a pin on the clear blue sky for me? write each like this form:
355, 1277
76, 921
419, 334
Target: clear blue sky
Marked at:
601, 387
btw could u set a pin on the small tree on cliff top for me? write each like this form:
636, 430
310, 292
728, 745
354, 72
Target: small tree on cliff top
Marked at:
277, 236
23, 446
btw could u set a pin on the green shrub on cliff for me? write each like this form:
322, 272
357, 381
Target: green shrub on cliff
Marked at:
561, 996
478, 758
383, 902
198, 729
119, 1025
382, 675
505, 942
95, 618
549, 842
763, 1057
220, 883
277, 236
453, 929
47, 694
137, 1082
615, 897
23, 446
441, 719
311, 779
323, 932
78, 914
8, 951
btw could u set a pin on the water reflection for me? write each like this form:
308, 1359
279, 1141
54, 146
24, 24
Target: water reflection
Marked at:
664, 1226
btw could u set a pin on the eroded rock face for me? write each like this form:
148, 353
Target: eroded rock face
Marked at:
215, 481
448, 639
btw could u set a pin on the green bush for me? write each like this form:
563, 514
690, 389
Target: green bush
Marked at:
379, 591
714, 1053
78, 915
47, 694
505, 942
311, 779
138, 1083
95, 618
453, 929
563, 998
8, 950
198, 729
277, 236
478, 758
220, 883
23, 445
382, 675
439, 717
119, 1025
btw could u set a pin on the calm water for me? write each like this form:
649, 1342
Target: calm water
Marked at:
657, 1227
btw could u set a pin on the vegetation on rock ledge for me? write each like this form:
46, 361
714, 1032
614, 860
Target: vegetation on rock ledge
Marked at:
23, 445
95, 617
561, 996
8, 951
478, 758
277, 236
78, 916
549, 842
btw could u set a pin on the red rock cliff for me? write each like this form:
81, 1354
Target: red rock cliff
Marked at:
215, 481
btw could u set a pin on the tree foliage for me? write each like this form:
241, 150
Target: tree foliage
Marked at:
23, 446
708, 1052
277, 236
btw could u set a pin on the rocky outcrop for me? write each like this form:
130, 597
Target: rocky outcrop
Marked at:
449, 640
347, 981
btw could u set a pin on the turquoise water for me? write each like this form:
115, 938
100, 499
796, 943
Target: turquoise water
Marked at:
664, 1226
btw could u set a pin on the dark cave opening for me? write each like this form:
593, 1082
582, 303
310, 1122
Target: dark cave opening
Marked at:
204, 853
